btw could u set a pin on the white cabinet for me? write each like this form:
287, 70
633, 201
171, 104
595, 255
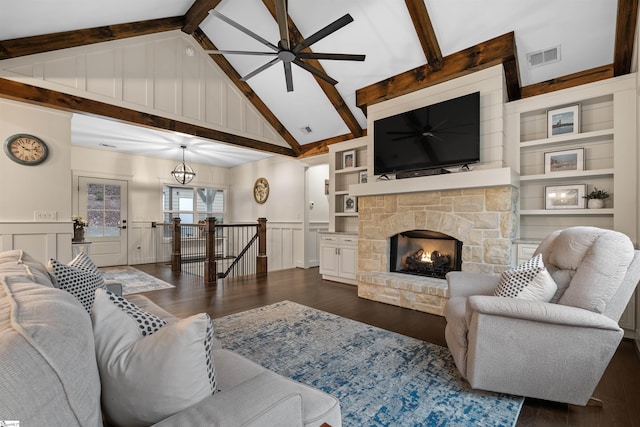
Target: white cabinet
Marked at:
339, 257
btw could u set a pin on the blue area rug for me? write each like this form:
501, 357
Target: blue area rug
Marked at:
133, 280
381, 378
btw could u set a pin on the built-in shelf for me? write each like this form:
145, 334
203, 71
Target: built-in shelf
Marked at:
605, 211
568, 175
346, 214
340, 193
350, 170
563, 139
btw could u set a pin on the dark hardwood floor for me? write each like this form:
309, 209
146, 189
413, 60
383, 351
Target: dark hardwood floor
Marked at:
619, 387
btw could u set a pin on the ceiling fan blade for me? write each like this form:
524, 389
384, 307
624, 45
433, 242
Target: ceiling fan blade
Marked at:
260, 69
319, 35
334, 56
281, 17
288, 76
239, 52
315, 71
244, 30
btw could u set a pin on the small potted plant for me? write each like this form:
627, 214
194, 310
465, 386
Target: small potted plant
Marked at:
595, 199
79, 224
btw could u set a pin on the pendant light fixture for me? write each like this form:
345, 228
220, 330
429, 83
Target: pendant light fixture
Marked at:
183, 173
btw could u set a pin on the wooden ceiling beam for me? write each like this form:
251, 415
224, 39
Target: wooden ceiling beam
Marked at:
246, 90
329, 90
322, 147
625, 35
17, 91
197, 13
66, 39
479, 57
570, 80
424, 29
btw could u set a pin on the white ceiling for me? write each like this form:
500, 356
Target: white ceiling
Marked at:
382, 29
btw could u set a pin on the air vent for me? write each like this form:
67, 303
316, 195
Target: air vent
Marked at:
306, 130
543, 57
107, 145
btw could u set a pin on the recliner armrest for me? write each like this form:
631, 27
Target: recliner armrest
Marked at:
538, 311
465, 284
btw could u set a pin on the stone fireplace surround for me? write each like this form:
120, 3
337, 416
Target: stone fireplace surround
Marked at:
483, 218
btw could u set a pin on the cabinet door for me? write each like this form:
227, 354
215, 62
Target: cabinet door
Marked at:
329, 259
348, 262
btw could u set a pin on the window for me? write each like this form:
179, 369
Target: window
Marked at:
192, 204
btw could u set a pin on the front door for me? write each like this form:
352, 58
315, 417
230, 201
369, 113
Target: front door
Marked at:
104, 203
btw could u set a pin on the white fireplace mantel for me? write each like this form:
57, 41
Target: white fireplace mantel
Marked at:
452, 181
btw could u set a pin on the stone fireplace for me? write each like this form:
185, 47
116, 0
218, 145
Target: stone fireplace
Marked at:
483, 220
424, 253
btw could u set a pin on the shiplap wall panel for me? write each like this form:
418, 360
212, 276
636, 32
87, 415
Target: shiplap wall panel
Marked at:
152, 73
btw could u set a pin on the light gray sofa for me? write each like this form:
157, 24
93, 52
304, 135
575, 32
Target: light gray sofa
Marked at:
49, 374
555, 350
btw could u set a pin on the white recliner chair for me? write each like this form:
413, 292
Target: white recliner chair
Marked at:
555, 350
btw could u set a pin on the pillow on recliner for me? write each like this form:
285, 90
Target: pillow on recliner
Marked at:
530, 280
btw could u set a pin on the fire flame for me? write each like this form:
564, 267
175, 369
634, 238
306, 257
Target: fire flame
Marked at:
426, 257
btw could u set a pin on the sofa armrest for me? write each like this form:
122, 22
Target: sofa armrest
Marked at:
538, 311
231, 409
465, 284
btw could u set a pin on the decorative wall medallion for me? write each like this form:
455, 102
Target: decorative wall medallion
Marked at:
261, 190
26, 149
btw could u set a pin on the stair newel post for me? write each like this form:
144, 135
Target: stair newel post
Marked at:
176, 253
210, 271
261, 259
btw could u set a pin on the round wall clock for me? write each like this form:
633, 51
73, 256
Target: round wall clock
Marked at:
261, 190
26, 149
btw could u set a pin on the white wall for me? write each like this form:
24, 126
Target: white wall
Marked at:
318, 211
285, 209
45, 187
145, 177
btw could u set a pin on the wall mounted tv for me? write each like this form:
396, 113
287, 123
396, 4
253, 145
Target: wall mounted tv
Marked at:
428, 139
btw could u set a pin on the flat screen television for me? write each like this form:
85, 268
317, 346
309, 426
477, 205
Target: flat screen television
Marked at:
433, 137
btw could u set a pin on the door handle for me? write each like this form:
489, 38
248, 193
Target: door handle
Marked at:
124, 227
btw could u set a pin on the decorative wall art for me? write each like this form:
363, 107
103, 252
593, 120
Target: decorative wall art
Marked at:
563, 161
565, 196
562, 121
350, 204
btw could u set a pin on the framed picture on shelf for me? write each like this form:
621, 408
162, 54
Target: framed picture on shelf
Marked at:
563, 161
565, 196
350, 204
349, 159
362, 177
562, 121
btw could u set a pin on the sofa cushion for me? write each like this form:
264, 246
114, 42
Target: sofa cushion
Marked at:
146, 379
529, 280
79, 283
48, 374
18, 266
83, 262
148, 323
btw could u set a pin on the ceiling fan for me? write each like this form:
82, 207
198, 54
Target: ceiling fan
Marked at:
286, 51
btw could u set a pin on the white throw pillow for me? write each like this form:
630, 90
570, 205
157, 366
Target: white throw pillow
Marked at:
146, 379
79, 283
529, 280
83, 262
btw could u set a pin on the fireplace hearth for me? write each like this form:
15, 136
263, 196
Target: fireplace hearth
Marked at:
425, 253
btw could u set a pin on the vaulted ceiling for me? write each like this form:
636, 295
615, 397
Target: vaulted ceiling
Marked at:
408, 44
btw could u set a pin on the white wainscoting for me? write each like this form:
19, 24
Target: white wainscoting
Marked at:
41, 240
284, 244
142, 242
313, 243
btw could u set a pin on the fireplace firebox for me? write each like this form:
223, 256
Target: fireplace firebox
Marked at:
425, 253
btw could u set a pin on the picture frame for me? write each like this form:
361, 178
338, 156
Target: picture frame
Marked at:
563, 161
350, 204
349, 159
363, 177
565, 196
326, 186
563, 121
